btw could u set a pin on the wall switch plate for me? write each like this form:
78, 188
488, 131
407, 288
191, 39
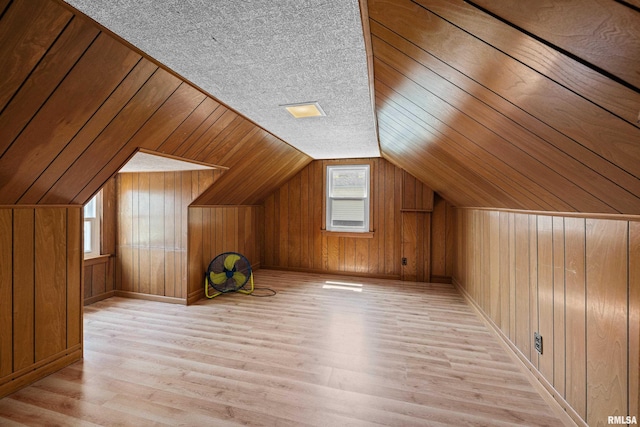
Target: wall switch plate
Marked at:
537, 342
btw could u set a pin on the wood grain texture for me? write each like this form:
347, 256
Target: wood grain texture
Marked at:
314, 356
6, 292
607, 317
50, 279
602, 33
23, 288
152, 230
41, 292
574, 282
450, 79
220, 229
634, 317
56, 152
541, 57
22, 38
576, 298
294, 223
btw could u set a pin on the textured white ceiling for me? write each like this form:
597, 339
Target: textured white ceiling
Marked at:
255, 55
146, 162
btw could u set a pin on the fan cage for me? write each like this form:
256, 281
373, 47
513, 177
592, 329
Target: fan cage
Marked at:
229, 272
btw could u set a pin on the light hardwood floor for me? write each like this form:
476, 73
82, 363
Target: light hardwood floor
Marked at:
393, 354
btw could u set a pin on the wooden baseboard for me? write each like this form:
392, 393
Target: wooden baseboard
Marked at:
37, 371
441, 279
195, 296
150, 297
566, 413
96, 298
336, 273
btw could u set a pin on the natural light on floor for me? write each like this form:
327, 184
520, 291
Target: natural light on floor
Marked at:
356, 287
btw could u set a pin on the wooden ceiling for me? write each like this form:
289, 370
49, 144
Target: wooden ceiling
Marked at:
76, 103
531, 108
526, 105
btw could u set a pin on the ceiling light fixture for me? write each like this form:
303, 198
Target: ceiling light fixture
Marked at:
305, 109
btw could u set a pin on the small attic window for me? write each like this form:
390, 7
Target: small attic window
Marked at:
348, 198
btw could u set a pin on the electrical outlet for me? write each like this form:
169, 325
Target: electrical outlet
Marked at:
537, 342
404, 261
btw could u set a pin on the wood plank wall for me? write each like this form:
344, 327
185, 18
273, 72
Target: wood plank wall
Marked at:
40, 292
217, 229
442, 240
99, 273
294, 223
575, 281
489, 116
53, 151
153, 231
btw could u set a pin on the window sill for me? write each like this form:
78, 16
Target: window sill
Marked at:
351, 234
98, 259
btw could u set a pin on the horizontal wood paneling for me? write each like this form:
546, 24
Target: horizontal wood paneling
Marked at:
153, 230
218, 229
488, 122
41, 308
56, 152
572, 283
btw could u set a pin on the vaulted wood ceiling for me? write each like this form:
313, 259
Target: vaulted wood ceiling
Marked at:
76, 103
492, 106
541, 117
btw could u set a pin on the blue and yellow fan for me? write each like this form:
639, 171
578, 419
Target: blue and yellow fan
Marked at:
229, 272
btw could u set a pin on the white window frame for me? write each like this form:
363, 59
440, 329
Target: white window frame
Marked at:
92, 221
330, 197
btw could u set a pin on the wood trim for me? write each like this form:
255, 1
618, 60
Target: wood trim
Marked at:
182, 159
562, 409
350, 234
622, 217
149, 297
100, 259
337, 273
34, 372
96, 298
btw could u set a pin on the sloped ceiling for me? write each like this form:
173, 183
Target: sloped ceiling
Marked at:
257, 55
528, 105
76, 104
535, 108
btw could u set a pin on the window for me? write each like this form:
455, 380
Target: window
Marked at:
92, 227
348, 198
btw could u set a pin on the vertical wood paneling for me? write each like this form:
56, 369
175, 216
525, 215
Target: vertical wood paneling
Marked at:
576, 282
607, 358
23, 288
559, 306
634, 317
40, 286
50, 299
576, 298
545, 296
291, 228
522, 290
6, 292
74, 254
294, 224
152, 230
226, 223
493, 272
505, 271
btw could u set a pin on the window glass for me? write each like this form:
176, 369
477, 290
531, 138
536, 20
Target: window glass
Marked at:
348, 198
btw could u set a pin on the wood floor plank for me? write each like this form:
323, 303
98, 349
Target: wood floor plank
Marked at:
394, 353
